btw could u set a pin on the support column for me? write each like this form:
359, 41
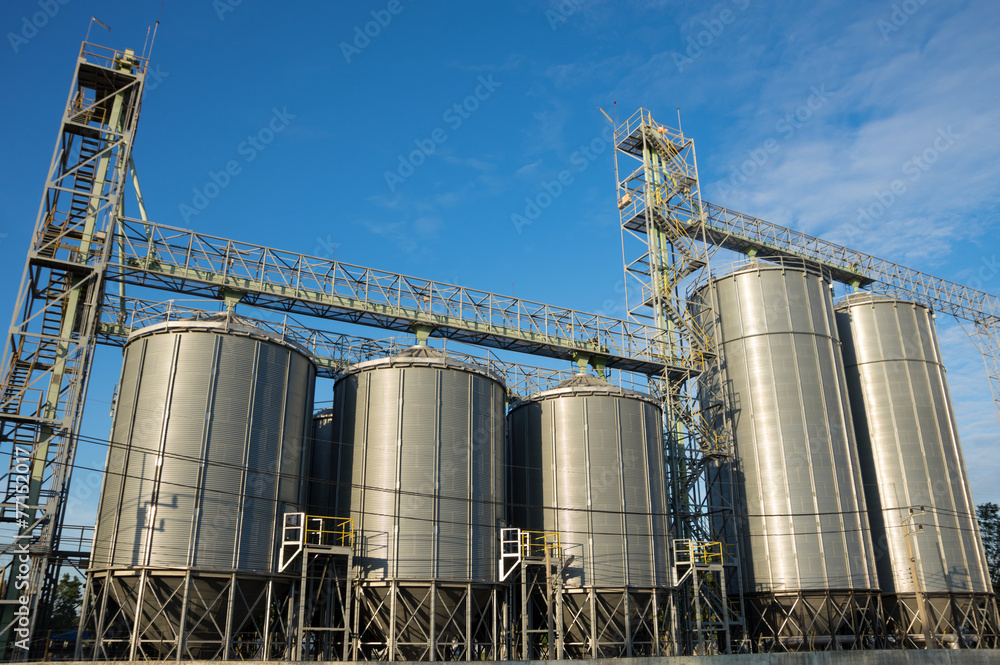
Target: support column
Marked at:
469, 640
136, 634
525, 652
303, 591
432, 636
656, 623
627, 606
182, 630
267, 619
393, 592
81, 625
592, 599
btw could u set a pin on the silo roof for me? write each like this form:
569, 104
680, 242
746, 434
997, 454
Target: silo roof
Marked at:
588, 384
868, 298
422, 356
221, 324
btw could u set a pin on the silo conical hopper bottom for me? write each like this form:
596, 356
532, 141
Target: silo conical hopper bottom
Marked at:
158, 614
957, 621
828, 620
615, 623
417, 621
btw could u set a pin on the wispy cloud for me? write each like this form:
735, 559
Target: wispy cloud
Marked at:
893, 100
414, 223
528, 170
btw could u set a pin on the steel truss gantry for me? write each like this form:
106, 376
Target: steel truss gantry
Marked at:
666, 252
50, 342
197, 264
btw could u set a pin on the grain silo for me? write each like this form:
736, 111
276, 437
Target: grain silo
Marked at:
427, 437
916, 484
807, 567
205, 458
586, 462
328, 473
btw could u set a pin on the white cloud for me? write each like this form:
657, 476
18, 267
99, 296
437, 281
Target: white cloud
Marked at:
889, 112
528, 170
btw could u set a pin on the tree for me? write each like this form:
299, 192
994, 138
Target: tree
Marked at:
66, 605
989, 527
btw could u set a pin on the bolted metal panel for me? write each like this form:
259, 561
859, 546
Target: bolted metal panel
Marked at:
322, 473
525, 493
425, 434
109, 508
219, 483
183, 429
910, 451
206, 448
144, 426
797, 472
587, 463
419, 531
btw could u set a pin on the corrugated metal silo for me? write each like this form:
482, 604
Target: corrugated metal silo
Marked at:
807, 566
329, 470
426, 433
587, 463
911, 457
205, 457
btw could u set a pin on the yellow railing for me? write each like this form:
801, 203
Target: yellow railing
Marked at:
329, 531
111, 58
537, 543
703, 552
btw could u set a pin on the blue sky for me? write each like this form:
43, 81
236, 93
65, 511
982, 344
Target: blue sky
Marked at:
802, 113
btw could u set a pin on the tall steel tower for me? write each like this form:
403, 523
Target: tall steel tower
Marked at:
51, 338
666, 252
